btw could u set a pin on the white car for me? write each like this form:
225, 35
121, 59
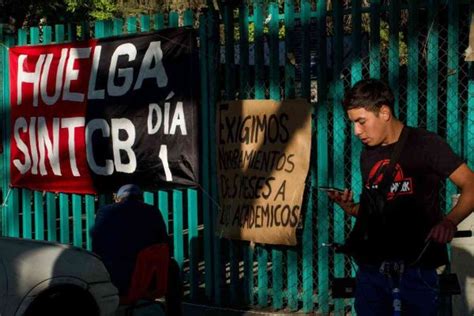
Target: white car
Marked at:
44, 278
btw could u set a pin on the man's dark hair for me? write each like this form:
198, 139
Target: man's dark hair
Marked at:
369, 94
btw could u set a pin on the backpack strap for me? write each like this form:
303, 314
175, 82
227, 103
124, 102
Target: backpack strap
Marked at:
389, 173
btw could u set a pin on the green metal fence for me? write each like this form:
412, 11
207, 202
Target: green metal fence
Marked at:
415, 45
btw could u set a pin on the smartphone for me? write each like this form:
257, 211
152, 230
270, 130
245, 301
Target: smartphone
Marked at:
331, 189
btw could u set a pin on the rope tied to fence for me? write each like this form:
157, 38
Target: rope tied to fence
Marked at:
4, 204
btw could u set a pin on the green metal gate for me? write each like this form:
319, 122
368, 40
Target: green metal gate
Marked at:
290, 49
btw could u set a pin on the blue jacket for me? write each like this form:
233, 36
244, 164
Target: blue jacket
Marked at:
120, 232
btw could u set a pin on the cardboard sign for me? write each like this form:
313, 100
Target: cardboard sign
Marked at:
263, 159
470, 49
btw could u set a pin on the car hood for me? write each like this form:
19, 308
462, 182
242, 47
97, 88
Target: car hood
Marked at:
28, 262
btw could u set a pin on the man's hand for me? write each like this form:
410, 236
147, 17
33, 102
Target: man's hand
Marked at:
443, 232
345, 200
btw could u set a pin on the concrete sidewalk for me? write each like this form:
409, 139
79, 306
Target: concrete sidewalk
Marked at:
190, 309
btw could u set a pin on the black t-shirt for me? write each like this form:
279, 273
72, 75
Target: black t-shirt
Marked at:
413, 201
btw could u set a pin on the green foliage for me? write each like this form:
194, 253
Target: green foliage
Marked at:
26, 13
103, 10
385, 40
39, 12
92, 9
32, 12
134, 7
251, 32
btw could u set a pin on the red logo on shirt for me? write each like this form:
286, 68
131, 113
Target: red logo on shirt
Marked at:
400, 184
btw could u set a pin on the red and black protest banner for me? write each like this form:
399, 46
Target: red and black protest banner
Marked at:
89, 116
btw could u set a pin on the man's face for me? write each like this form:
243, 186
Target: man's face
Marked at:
370, 127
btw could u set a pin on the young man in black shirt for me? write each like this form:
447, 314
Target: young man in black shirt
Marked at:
394, 252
